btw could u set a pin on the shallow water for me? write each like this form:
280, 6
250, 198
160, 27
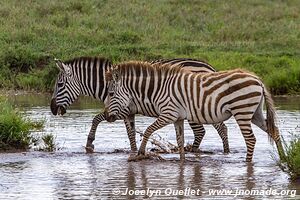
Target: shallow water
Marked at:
71, 174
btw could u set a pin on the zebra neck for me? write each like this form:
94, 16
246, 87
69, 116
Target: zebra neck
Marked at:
93, 84
86, 91
99, 94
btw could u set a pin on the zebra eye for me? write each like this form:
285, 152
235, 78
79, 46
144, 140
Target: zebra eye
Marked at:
111, 94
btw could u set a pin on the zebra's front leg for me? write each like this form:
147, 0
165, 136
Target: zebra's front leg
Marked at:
130, 127
199, 133
180, 138
222, 131
91, 137
159, 123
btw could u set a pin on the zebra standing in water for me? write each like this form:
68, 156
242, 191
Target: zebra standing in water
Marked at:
86, 76
198, 66
173, 94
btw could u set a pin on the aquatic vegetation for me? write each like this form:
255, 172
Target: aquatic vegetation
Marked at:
15, 129
290, 162
49, 143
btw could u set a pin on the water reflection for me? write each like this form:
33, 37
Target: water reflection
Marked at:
92, 171
197, 179
71, 174
250, 183
81, 176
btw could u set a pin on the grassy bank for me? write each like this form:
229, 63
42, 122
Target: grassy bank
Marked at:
15, 130
291, 161
261, 36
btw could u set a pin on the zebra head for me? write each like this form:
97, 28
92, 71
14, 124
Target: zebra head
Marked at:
66, 89
118, 97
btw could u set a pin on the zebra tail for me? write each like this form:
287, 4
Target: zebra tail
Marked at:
271, 121
271, 116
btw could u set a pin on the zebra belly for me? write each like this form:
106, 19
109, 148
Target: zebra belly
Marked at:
199, 118
220, 118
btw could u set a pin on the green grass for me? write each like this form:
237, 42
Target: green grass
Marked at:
15, 130
261, 36
290, 163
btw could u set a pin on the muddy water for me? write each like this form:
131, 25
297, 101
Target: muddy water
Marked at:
71, 174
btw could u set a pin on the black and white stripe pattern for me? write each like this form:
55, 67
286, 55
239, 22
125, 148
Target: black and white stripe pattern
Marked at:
198, 66
86, 76
81, 76
173, 94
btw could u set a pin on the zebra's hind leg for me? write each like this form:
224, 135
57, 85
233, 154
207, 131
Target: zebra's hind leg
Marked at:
222, 131
199, 133
250, 140
130, 127
89, 148
180, 138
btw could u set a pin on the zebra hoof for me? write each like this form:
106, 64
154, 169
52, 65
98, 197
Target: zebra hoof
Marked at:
138, 157
188, 148
89, 149
195, 150
191, 148
226, 151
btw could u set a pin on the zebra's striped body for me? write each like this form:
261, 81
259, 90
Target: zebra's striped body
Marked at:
198, 66
173, 94
86, 76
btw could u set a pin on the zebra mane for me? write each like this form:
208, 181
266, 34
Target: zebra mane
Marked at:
239, 70
86, 59
140, 66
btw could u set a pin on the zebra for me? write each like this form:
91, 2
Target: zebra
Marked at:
86, 76
198, 66
174, 94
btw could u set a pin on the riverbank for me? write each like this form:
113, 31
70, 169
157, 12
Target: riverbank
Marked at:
15, 129
11, 92
227, 34
23, 97
281, 74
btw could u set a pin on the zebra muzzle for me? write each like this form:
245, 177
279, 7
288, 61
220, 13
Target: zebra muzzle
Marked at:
55, 109
61, 110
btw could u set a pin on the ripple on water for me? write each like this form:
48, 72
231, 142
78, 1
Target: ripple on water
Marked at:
70, 173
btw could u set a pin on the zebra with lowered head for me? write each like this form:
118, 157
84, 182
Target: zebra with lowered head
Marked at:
175, 94
86, 76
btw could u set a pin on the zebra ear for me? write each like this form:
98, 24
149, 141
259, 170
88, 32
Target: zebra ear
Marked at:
61, 66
